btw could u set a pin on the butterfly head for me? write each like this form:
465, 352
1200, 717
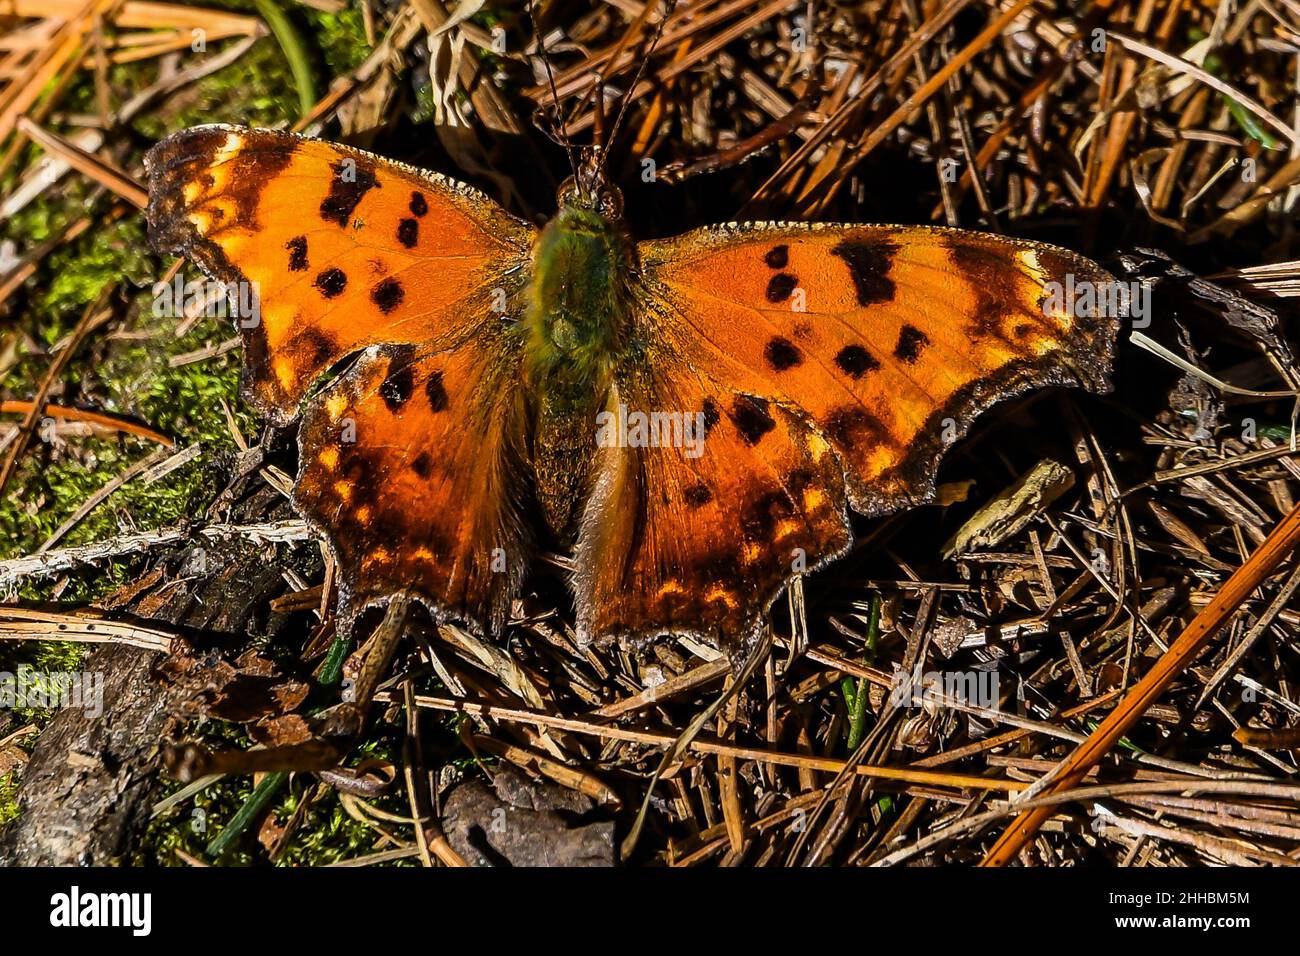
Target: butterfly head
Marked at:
589, 188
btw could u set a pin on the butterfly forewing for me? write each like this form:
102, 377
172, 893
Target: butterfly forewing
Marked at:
341, 248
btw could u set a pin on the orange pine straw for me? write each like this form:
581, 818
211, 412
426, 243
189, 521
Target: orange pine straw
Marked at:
93, 418
1276, 547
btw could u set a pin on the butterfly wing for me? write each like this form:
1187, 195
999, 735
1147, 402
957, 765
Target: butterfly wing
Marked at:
344, 249
411, 464
351, 255
702, 545
879, 344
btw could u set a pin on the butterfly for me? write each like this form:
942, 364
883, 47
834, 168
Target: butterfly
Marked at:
693, 419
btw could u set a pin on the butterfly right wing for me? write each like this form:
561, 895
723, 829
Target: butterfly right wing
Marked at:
837, 364
701, 544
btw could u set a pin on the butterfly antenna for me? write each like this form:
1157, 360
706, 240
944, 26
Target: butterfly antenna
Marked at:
640, 70
598, 113
555, 95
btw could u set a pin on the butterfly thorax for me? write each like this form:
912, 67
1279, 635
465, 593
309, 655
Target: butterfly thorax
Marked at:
579, 308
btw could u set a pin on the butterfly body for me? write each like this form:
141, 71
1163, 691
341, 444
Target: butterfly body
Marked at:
578, 318
449, 365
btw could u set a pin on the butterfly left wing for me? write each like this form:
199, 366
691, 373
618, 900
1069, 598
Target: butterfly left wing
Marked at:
411, 464
410, 460
840, 361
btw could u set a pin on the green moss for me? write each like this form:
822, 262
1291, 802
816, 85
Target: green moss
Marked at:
326, 834
341, 38
8, 798
133, 378
115, 252
35, 222
128, 373
255, 90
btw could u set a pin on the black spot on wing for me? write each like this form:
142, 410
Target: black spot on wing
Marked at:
989, 317
855, 361
697, 495
397, 387
388, 295
436, 392
751, 418
422, 464
711, 417
408, 232
780, 286
981, 264
910, 342
332, 282
782, 354
319, 345
760, 519
353, 178
778, 257
418, 206
852, 426
799, 480
869, 263
297, 247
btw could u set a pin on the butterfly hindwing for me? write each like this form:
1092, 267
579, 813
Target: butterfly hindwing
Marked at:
411, 463
879, 343
409, 459
702, 544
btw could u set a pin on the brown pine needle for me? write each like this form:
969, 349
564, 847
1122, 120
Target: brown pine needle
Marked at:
88, 164
935, 83
901, 774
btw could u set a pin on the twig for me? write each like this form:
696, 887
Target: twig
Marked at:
66, 559
652, 738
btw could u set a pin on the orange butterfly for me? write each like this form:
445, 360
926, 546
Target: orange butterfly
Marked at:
692, 417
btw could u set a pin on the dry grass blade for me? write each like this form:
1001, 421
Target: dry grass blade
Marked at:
94, 167
19, 623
